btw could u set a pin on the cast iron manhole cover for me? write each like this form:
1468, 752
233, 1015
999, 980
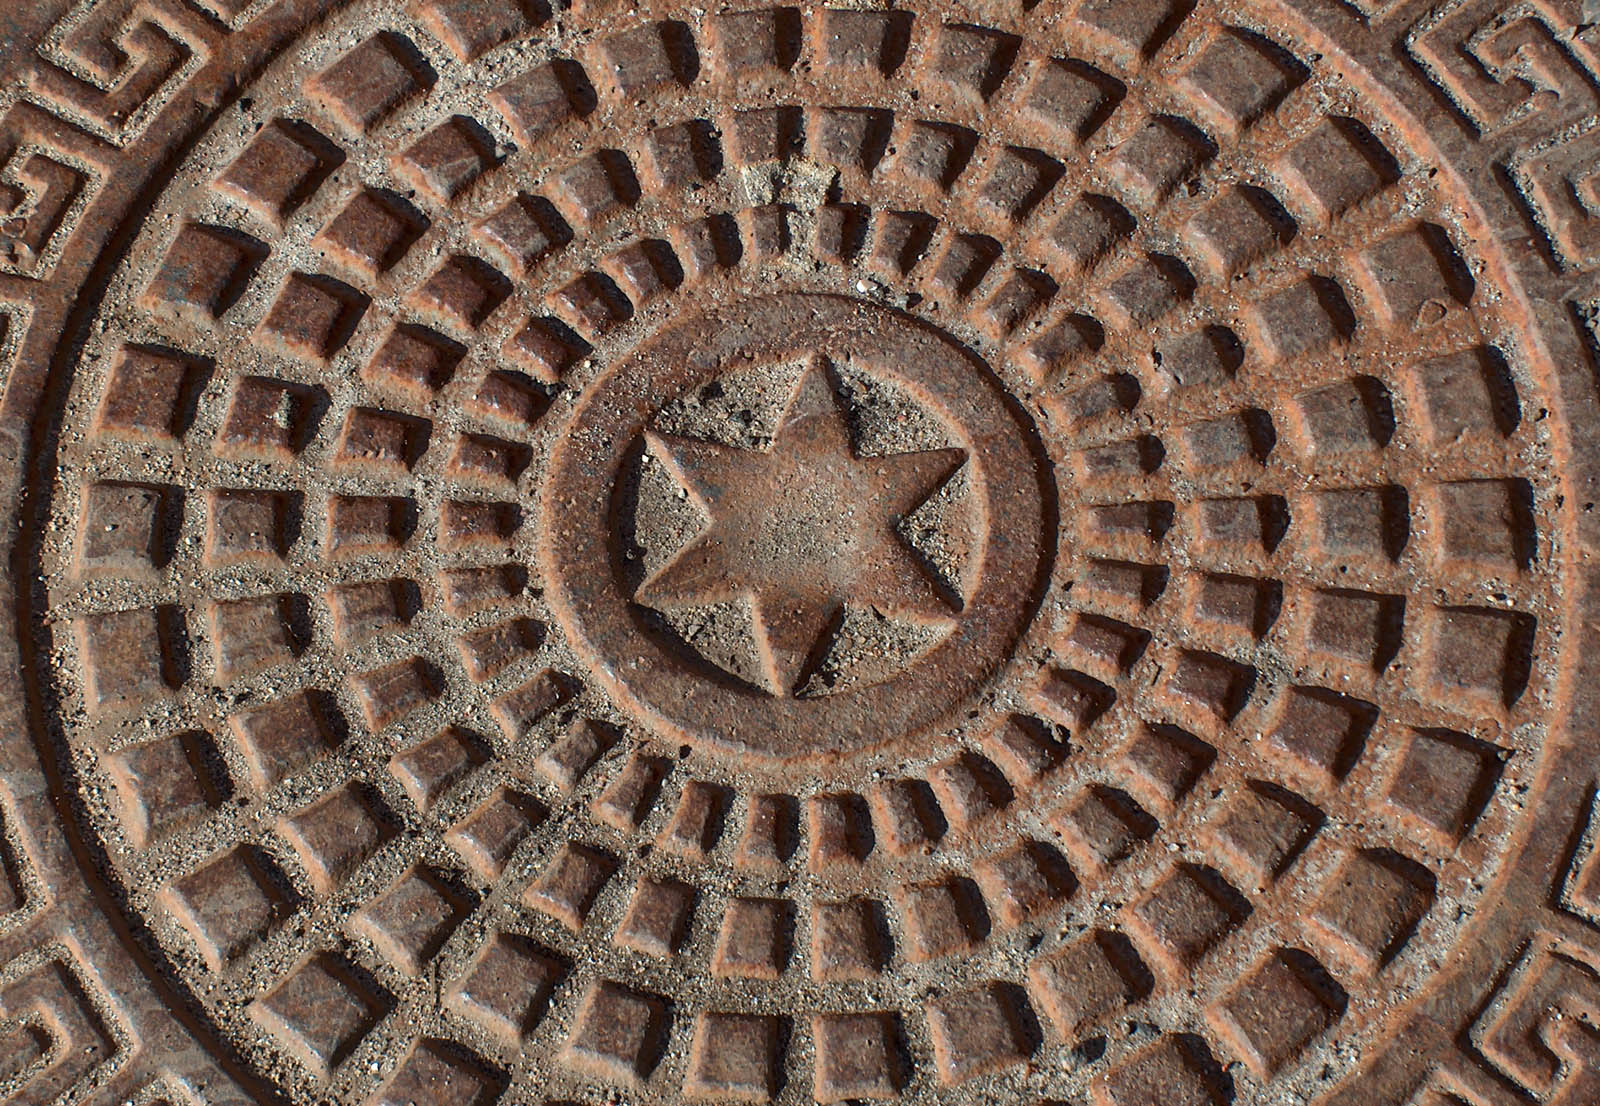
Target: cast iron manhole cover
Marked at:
1016, 552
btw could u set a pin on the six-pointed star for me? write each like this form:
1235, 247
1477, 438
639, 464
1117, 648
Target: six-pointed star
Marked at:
802, 530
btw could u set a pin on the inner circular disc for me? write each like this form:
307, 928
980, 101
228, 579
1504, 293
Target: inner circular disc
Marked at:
583, 542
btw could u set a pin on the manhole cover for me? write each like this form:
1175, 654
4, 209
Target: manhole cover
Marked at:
1018, 552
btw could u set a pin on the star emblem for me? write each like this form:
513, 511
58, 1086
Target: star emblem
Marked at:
801, 530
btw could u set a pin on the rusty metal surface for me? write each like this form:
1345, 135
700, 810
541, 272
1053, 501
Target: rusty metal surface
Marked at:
1022, 552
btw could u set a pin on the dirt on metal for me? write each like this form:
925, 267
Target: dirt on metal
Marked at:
987, 551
